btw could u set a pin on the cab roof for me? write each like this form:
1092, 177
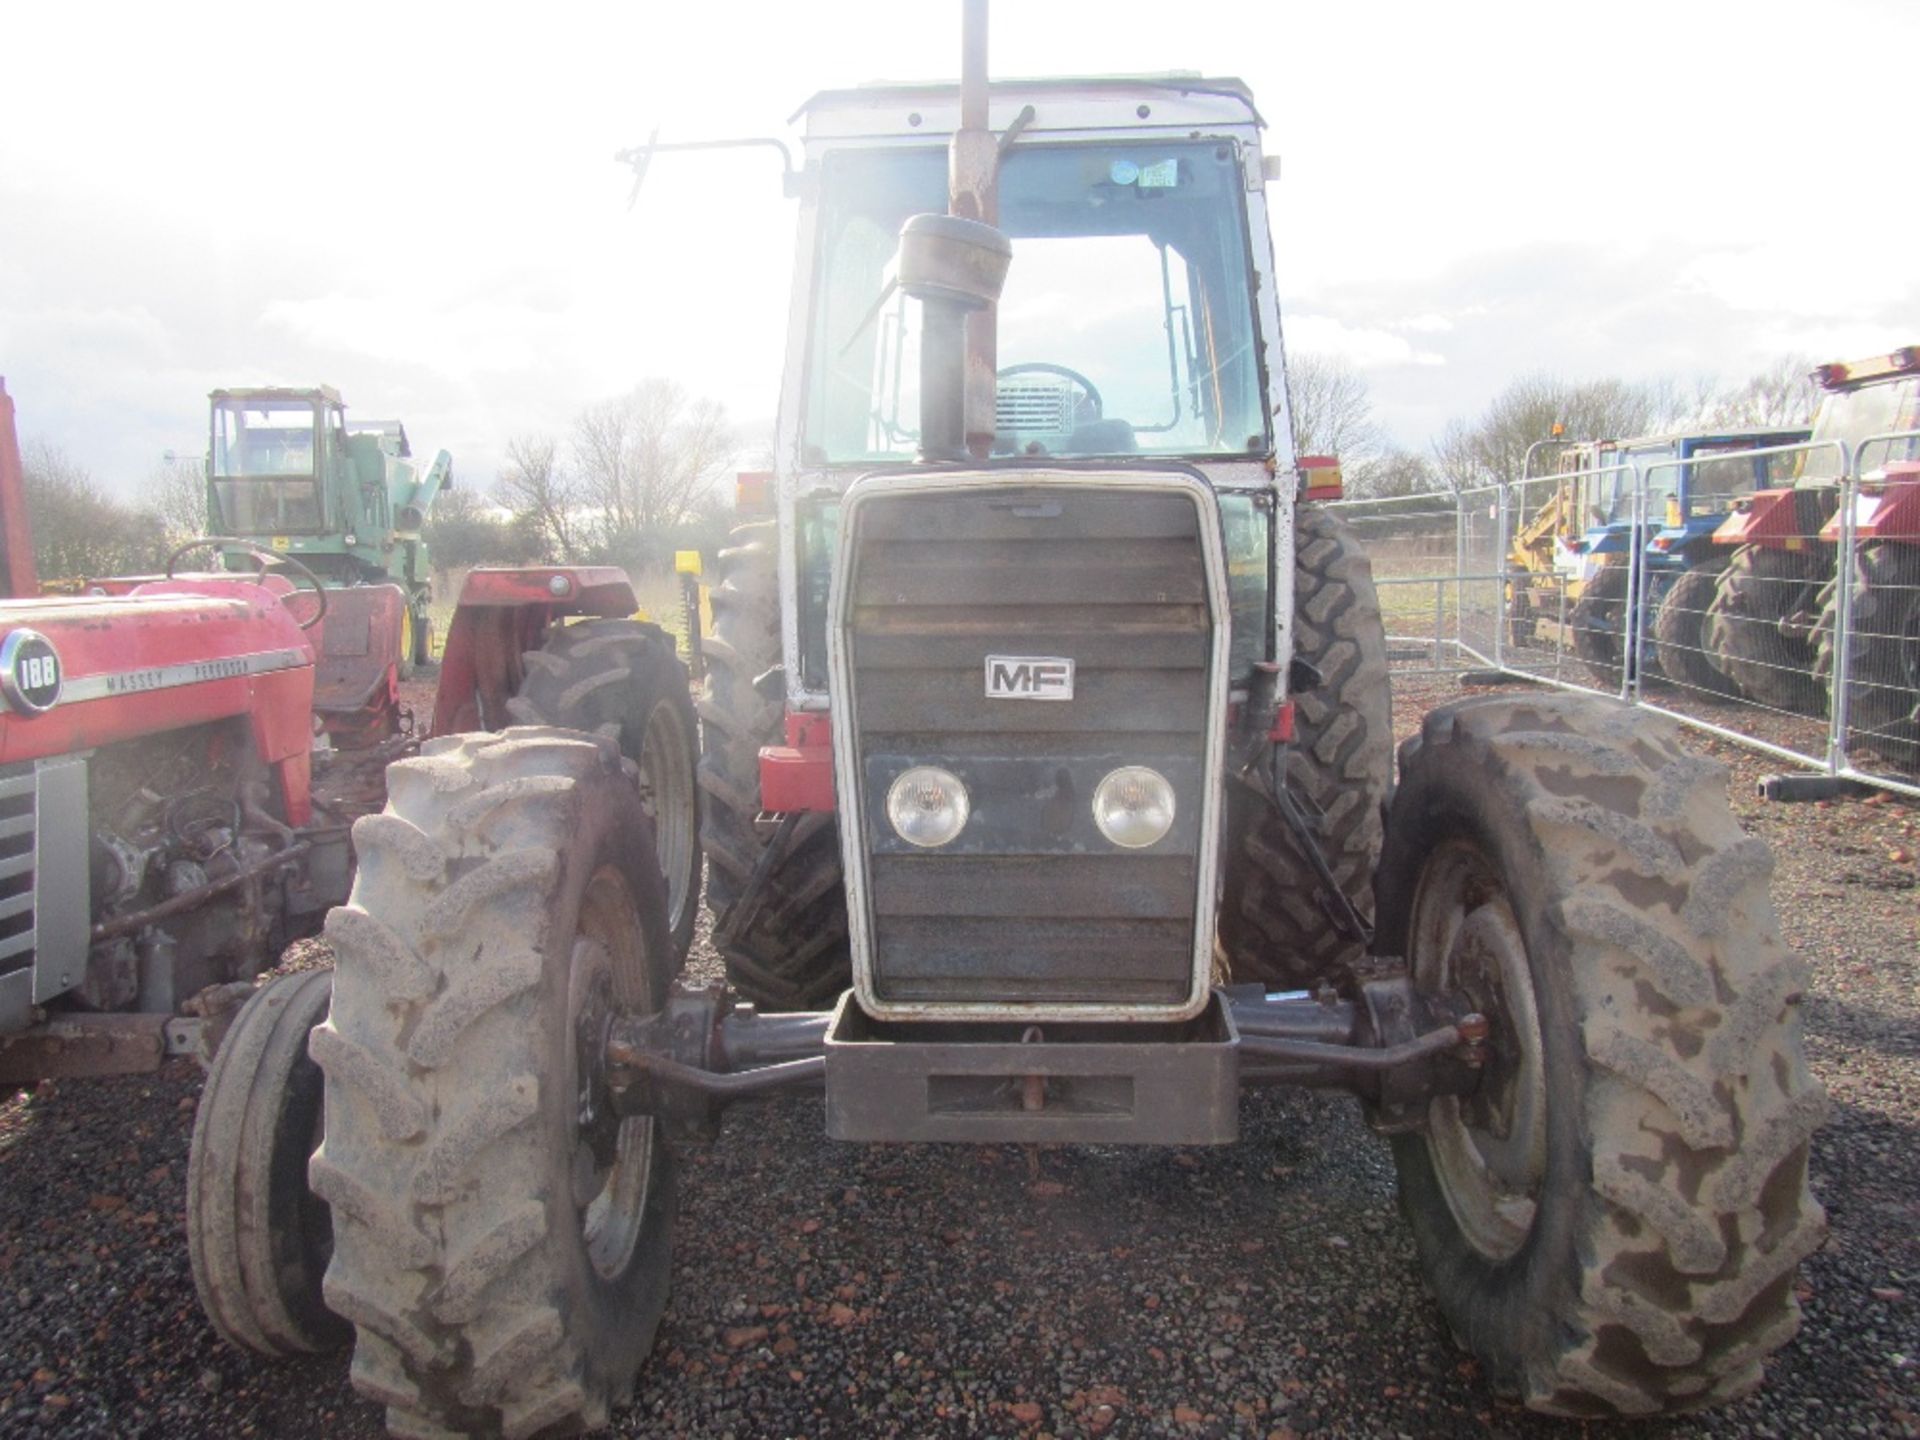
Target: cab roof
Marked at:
1174, 100
280, 392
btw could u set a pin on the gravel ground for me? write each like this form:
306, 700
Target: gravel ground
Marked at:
1262, 1289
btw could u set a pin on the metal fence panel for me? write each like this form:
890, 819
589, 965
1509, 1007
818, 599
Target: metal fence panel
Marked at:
1798, 636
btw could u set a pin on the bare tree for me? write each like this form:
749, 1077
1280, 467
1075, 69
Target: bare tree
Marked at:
537, 488
1780, 395
177, 490
77, 530
1493, 449
1390, 474
647, 458
1331, 410
463, 529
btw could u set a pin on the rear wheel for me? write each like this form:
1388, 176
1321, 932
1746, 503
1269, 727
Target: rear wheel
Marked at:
1679, 630
258, 1237
1883, 674
1612, 1222
622, 679
780, 921
501, 1236
1761, 588
1276, 924
1599, 624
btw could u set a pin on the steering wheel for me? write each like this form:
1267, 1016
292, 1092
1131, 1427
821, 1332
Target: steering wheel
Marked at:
1043, 367
262, 558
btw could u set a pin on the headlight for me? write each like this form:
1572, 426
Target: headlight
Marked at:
1133, 806
927, 805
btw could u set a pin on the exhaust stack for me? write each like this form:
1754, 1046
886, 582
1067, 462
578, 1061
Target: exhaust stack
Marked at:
954, 264
954, 268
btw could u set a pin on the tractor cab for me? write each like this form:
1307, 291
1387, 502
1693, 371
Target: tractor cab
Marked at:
1873, 406
1686, 502
264, 460
1693, 480
288, 471
1137, 325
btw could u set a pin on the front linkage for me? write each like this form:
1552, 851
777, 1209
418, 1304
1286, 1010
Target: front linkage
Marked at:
1393, 1047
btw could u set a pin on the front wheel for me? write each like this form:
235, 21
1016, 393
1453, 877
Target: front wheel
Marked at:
257, 1237
406, 654
423, 641
501, 1236
1276, 925
1613, 1219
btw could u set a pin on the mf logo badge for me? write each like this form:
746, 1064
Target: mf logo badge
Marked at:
1029, 677
29, 672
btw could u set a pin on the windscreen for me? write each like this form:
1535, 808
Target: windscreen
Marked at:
1126, 325
1857, 417
263, 458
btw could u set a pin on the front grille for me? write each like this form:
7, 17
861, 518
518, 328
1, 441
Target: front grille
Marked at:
1031, 906
17, 823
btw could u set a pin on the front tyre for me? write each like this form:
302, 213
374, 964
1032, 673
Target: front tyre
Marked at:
1275, 924
406, 655
779, 921
1613, 1220
501, 1236
257, 1236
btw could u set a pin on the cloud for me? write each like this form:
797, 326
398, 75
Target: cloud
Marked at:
1585, 311
1367, 347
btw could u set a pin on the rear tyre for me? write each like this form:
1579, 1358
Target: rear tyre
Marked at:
1679, 630
1599, 624
257, 1236
622, 679
1883, 674
783, 937
1276, 926
1760, 588
501, 1236
1613, 1221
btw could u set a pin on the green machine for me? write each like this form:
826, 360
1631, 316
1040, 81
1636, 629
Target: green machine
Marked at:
287, 471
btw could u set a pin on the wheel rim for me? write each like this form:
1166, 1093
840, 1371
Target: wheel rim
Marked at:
612, 1156
1489, 1150
666, 781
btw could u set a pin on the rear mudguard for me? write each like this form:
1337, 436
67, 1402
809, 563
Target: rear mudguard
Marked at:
1882, 510
1789, 519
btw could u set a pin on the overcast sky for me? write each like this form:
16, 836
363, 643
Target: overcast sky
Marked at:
417, 204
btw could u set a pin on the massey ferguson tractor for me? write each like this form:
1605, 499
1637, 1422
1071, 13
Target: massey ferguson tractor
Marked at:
168, 824
1048, 798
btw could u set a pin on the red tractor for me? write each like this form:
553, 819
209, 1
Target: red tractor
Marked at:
1771, 625
180, 766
